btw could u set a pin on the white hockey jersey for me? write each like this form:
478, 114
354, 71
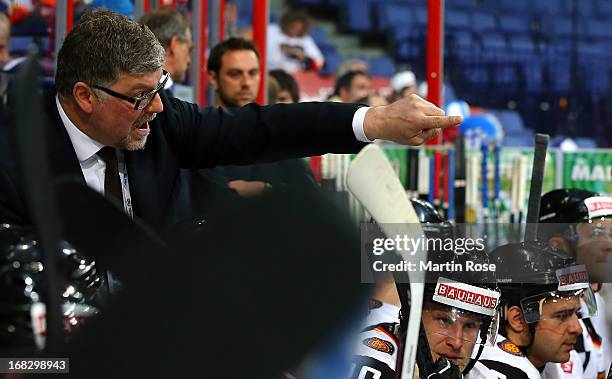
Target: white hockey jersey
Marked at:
508, 362
377, 347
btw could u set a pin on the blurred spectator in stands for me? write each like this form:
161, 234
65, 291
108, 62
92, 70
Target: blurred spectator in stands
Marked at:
352, 65
351, 87
288, 91
5, 35
234, 73
403, 84
273, 89
174, 33
290, 47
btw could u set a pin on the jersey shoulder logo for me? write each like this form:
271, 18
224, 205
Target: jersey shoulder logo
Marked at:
509, 347
379, 344
567, 367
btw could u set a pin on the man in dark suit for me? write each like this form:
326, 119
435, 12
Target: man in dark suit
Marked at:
234, 73
108, 105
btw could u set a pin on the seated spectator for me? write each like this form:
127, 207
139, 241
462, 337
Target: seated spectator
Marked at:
234, 73
404, 84
290, 47
351, 87
288, 91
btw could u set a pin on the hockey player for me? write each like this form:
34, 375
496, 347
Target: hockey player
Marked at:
579, 222
452, 328
543, 297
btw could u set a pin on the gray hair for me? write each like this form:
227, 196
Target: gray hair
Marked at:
166, 23
103, 45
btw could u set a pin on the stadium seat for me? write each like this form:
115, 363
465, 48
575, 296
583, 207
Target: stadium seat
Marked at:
585, 143
484, 22
332, 61
382, 66
355, 16
457, 20
517, 7
514, 24
511, 121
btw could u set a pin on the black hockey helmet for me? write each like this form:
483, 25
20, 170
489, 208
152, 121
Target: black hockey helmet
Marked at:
565, 206
23, 288
529, 272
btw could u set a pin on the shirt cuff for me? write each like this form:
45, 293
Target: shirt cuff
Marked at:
358, 121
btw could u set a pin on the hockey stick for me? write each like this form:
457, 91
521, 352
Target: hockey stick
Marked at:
372, 180
537, 180
460, 168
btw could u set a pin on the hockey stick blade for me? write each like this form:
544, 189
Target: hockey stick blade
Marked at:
373, 182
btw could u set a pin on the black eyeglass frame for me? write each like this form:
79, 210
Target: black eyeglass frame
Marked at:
140, 102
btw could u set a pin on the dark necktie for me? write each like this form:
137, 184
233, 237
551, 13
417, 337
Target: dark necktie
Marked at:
112, 183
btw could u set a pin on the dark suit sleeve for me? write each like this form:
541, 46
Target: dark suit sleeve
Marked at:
12, 210
206, 137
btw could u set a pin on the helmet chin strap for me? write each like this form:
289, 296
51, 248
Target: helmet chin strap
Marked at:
472, 362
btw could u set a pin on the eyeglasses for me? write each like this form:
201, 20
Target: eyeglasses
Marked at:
142, 101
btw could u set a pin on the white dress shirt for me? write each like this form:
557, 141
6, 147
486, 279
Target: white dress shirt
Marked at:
86, 149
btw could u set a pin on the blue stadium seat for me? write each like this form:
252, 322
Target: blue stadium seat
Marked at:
519, 7
598, 30
514, 24
511, 122
332, 61
382, 66
326, 48
318, 35
603, 9
407, 51
356, 16
464, 45
488, 5
534, 80
390, 14
460, 4
585, 143
457, 20
420, 17
494, 46
483, 22
562, 27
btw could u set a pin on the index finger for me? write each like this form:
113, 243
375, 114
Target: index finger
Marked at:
442, 121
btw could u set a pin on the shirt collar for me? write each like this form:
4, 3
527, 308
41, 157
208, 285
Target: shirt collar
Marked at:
169, 83
84, 146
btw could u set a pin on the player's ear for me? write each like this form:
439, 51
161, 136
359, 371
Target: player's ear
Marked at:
213, 79
516, 321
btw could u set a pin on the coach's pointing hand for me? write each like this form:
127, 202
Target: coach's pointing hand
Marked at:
408, 121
